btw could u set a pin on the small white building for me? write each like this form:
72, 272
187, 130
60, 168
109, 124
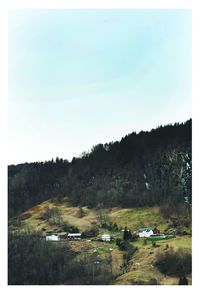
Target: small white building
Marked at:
75, 236
145, 232
52, 237
105, 237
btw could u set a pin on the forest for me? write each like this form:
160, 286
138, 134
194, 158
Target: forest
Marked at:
144, 169
33, 261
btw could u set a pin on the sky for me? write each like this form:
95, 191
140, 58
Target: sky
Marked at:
87, 76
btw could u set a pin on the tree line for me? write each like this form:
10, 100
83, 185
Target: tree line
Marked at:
144, 169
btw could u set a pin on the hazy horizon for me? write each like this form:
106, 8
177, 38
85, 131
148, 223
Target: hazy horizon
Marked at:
82, 77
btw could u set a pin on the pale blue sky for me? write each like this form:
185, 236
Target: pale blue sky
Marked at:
82, 77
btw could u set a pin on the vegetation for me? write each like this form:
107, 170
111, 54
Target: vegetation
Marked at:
33, 261
122, 264
52, 215
178, 263
141, 170
183, 281
142, 181
127, 234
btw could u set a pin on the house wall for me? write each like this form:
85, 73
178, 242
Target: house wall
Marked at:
145, 234
105, 238
74, 236
52, 238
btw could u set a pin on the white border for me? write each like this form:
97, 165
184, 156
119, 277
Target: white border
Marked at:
101, 4
53, 4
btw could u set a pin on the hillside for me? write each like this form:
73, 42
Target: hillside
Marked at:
145, 169
133, 217
143, 180
140, 268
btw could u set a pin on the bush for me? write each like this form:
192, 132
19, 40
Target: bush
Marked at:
154, 244
126, 246
52, 215
81, 213
118, 241
183, 281
153, 281
65, 226
110, 226
91, 233
145, 241
174, 263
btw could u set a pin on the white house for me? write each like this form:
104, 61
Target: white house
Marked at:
105, 237
145, 232
75, 236
52, 237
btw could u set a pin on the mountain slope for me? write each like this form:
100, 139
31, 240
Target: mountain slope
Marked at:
141, 269
145, 169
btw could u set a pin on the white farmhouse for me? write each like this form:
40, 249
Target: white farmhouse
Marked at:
145, 232
52, 237
105, 237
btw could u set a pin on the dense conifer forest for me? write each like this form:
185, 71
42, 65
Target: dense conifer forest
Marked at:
142, 169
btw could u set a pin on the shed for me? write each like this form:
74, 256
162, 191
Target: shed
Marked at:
75, 236
105, 237
52, 237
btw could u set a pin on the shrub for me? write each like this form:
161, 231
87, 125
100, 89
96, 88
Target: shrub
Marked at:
145, 241
154, 244
174, 263
118, 241
91, 233
126, 246
153, 281
81, 213
52, 215
65, 226
183, 281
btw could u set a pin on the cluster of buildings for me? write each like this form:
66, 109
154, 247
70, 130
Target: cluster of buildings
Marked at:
72, 236
63, 236
141, 233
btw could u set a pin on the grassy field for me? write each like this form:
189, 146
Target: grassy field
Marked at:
141, 269
133, 218
32, 218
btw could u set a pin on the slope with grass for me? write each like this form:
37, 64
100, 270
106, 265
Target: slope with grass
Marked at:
141, 269
133, 218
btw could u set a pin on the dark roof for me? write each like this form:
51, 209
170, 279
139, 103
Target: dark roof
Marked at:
144, 229
50, 234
